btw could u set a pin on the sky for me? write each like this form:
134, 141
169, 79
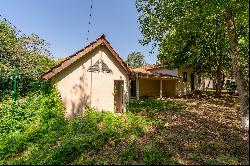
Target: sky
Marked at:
64, 24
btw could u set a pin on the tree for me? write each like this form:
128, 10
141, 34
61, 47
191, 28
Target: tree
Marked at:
135, 59
29, 54
198, 34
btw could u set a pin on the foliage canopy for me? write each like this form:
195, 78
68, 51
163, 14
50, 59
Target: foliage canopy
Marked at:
135, 59
193, 33
30, 54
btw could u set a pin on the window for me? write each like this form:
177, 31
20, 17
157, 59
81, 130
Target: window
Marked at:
184, 76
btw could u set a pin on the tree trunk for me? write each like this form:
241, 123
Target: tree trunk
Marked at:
223, 80
241, 84
219, 76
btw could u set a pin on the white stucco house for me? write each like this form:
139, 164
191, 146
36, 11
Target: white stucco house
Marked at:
155, 81
96, 76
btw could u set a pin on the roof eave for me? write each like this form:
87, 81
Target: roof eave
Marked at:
71, 59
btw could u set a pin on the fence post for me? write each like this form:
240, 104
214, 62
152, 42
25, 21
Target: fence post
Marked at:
15, 74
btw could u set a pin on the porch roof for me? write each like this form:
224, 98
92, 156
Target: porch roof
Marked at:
145, 71
139, 74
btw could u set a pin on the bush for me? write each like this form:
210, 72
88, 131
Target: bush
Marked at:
231, 86
28, 121
33, 130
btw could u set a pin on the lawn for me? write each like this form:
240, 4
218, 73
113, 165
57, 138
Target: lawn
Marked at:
170, 131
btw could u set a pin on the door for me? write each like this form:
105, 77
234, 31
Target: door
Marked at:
133, 88
118, 95
192, 81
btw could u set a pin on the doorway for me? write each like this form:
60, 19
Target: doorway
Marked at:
133, 88
192, 81
118, 95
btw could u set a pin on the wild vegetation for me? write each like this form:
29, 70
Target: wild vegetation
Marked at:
169, 131
211, 37
29, 55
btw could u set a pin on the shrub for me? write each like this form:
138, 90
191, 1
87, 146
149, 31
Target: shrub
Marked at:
33, 131
231, 86
28, 121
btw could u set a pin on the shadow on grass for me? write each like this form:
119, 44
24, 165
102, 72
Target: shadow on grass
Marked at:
194, 138
151, 132
206, 138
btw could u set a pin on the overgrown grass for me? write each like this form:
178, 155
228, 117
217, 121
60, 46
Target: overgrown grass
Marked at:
34, 131
33, 121
150, 107
84, 134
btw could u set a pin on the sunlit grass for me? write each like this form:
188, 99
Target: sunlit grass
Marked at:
170, 131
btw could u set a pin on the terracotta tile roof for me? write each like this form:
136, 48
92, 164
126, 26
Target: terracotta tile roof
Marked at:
152, 75
148, 66
71, 59
146, 70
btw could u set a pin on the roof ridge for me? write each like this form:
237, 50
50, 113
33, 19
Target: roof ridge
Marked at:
74, 54
91, 43
99, 41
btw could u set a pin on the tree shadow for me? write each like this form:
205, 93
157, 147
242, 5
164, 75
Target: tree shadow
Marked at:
199, 138
226, 99
78, 106
74, 96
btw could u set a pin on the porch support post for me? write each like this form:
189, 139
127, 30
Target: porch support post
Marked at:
137, 89
160, 88
175, 87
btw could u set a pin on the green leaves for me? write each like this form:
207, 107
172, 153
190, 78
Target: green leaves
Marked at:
135, 59
30, 54
28, 121
192, 33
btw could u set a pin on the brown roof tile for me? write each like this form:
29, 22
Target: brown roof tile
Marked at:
146, 70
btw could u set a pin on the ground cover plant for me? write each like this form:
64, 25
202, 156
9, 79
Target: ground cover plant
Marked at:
168, 131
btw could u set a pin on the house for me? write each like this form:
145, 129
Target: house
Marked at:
154, 81
95, 76
98, 77
207, 83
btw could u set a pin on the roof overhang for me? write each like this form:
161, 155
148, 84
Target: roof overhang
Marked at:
101, 41
136, 75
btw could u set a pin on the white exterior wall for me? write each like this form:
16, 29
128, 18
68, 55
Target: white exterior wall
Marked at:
207, 83
184, 88
166, 71
79, 87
